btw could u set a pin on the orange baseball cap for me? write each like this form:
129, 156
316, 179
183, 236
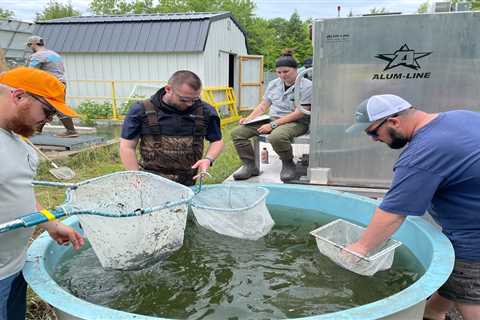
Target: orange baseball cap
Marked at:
40, 83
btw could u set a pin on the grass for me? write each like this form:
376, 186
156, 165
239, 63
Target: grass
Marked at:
100, 161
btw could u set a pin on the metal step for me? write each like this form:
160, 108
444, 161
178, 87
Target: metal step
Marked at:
49, 141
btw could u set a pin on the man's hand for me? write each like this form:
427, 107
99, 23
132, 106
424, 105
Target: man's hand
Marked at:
202, 165
242, 120
266, 128
357, 248
347, 259
63, 234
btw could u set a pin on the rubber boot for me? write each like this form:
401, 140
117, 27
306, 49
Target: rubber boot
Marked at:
68, 124
248, 170
246, 154
289, 170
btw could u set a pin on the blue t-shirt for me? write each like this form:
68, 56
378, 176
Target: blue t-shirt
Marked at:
439, 171
132, 125
49, 61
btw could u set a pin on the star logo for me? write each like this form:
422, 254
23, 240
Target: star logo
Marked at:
402, 57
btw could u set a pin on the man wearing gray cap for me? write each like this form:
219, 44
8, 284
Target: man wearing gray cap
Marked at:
50, 61
438, 172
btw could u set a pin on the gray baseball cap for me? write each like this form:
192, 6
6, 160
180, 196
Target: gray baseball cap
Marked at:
375, 108
35, 40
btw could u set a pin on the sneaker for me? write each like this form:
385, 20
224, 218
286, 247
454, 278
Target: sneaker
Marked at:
67, 134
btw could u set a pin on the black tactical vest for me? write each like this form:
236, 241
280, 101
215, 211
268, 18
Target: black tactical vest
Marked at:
172, 141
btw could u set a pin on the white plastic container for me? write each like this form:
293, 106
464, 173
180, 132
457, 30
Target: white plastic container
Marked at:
333, 237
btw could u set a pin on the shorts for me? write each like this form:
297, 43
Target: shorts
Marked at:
463, 285
13, 297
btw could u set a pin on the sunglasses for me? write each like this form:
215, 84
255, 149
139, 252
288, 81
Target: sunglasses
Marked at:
374, 133
47, 108
186, 99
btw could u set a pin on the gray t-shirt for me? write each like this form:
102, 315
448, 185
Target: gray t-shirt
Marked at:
49, 61
282, 100
18, 165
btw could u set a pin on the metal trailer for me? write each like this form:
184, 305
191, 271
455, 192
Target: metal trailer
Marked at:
431, 60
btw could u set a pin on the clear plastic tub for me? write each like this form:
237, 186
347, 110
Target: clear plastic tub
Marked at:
333, 237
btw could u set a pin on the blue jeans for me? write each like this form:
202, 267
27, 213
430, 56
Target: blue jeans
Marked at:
13, 297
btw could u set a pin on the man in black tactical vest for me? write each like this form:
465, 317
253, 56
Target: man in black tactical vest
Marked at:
171, 127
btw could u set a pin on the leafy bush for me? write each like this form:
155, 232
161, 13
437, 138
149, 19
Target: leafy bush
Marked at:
95, 110
125, 107
91, 110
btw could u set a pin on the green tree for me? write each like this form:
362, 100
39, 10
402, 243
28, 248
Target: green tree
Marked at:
105, 7
55, 10
6, 14
292, 33
262, 40
298, 37
475, 4
423, 8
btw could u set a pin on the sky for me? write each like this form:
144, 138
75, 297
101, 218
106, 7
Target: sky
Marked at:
25, 10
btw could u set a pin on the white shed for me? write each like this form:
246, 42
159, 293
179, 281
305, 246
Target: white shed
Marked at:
145, 49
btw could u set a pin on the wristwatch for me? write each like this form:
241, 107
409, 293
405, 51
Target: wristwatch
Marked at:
273, 124
210, 159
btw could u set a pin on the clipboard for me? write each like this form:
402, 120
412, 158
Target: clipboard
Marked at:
265, 118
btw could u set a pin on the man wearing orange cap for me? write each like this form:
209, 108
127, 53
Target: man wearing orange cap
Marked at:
28, 98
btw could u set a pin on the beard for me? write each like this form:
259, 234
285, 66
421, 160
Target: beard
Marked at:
398, 140
20, 124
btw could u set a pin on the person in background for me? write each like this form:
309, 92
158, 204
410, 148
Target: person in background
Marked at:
285, 123
307, 63
28, 97
50, 61
439, 172
171, 128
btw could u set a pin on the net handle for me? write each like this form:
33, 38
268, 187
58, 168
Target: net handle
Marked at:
200, 181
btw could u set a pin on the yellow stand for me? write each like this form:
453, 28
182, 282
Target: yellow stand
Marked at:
226, 107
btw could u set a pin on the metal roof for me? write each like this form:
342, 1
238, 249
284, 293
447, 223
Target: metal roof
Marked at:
171, 32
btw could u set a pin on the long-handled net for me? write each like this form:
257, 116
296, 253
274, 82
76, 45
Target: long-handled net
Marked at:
234, 210
132, 219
